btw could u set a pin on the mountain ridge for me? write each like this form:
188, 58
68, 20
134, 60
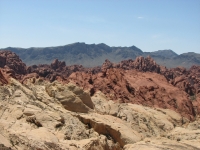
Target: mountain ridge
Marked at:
91, 55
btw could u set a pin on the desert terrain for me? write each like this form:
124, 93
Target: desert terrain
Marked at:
133, 104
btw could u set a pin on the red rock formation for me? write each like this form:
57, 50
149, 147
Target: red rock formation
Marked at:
142, 64
57, 69
139, 81
57, 64
106, 65
131, 86
187, 80
12, 61
2, 61
117, 81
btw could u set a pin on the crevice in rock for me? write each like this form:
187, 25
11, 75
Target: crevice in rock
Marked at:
103, 129
32, 119
92, 91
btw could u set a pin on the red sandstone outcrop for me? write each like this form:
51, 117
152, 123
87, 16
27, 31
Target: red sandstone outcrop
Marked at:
140, 64
13, 62
187, 80
12, 65
57, 69
57, 64
131, 86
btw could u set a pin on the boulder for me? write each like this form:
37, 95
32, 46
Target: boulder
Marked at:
72, 97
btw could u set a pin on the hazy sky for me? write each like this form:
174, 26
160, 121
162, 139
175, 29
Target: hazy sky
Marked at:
148, 24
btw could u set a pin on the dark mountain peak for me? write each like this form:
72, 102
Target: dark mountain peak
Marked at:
133, 46
136, 49
166, 53
102, 45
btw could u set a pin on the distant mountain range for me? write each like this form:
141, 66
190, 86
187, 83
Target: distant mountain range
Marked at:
90, 55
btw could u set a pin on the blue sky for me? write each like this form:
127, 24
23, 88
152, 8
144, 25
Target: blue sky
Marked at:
148, 24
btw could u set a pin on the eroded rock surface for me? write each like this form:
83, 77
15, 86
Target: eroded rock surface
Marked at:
30, 118
33, 117
71, 97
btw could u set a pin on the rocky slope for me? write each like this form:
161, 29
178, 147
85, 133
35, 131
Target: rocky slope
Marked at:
135, 104
91, 55
44, 115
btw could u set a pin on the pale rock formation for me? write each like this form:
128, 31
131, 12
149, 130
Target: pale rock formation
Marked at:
72, 97
43, 115
31, 119
147, 121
